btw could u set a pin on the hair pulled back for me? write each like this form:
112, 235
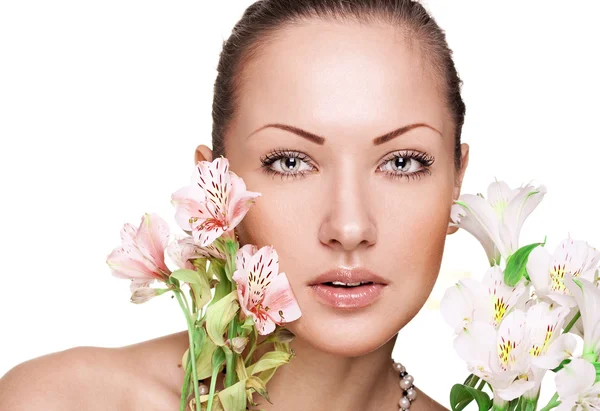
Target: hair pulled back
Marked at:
261, 21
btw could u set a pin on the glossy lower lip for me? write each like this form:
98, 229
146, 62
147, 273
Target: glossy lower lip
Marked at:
351, 297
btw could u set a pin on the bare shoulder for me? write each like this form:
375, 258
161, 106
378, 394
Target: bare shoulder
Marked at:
62, 380
426, 403
97, 378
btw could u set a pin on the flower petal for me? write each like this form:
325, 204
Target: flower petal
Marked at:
240, 201
587, 296
140, 283
187, 200
515, 389
520, 206
476, 347
457, 307
511, 342
125, 263
559, 350
152, 239
480, 220
280, 301
538, 266
208, 226
502, 298
499, 194
575, 378
264, 266
240, 276
244, 256
214, 179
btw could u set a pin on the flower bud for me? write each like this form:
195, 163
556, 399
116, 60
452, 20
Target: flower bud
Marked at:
238, 344
143, 294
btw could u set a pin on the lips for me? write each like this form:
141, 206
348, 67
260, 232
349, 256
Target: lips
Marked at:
344, 288
348, 276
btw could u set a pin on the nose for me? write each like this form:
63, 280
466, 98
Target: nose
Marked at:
347, 222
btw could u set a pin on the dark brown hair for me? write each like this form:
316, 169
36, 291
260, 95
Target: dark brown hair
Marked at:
262, 20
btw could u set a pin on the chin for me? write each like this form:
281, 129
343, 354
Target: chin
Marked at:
343, 332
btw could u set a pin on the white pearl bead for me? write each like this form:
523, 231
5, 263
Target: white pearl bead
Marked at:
202, 389
405, 384
399, 367
409, 378
404, 403
411, 394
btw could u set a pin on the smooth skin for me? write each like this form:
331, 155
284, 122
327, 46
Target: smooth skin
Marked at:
343, 203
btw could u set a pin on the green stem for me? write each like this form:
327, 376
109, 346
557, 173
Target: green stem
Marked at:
186, 383
213, 386
191, 353
572, 322
230, 373
252, 348
499, 404
552, 404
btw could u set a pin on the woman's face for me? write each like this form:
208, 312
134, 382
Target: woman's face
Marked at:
346, 201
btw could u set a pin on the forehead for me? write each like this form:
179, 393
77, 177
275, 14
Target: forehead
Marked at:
331, 76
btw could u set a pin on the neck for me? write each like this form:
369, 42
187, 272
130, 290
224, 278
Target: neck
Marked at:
319, 380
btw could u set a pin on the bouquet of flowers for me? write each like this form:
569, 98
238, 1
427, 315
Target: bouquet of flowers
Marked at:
521, 319
234, 293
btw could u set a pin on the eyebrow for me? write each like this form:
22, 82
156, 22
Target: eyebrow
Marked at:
321, 140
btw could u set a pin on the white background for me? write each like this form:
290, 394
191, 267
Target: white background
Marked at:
103, 103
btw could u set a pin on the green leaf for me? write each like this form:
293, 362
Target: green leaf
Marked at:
266, 375
561, 365
218, 359
247, 325
271, 359
219, 315
185, 275
517, 263
223, 287
597, 367
233, 398
198, 283
461, 395
256, 384
240, 368
280, 335
204, 361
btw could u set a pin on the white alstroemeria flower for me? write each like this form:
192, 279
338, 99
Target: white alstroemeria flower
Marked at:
576, 388
547, 272
497, 221
546, 346
587, 297
515, 357
498, 356
488, 301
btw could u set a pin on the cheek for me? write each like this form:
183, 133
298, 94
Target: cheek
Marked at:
413, 246
281, 219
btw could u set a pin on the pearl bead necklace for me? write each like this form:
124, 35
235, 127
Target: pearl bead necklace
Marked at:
409, 392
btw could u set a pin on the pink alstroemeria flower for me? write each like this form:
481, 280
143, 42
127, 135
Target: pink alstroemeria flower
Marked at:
263, 292
141, 256
214, 203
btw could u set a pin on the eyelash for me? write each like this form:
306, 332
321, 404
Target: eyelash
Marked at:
425, 160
